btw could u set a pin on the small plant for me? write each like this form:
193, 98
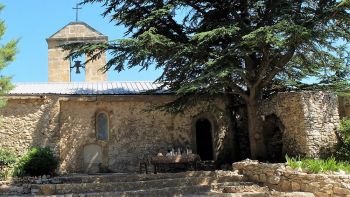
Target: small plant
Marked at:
318, 165
36, 162
331, 165
313, 165
293, 162
7, 159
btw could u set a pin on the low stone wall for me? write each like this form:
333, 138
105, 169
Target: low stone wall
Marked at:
282, 178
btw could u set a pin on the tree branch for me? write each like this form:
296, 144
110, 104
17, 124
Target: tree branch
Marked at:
264, 65
281, 62
194, 6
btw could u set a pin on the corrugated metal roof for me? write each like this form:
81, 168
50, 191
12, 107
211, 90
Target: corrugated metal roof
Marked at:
85, 88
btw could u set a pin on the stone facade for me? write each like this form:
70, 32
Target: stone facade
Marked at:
67, 124
59, 67
282, 178
309, 121
30, 121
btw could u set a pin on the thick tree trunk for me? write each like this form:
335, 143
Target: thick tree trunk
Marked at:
231, 127
255, 127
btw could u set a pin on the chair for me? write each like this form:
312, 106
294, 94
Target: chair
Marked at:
143, 165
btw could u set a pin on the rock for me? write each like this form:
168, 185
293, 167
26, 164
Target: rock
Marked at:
274, 180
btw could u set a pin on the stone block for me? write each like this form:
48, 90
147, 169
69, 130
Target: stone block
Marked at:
274, 180
295, 186
286, 186
340, 191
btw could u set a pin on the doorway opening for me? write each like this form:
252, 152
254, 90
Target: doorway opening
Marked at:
273, 135
204, 139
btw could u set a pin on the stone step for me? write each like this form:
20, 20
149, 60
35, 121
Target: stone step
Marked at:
220, 185
49, 189
244, 188
246, 194
291, 194
177, 191
155, 192
256, 194
10, 189
117, 177
185, 191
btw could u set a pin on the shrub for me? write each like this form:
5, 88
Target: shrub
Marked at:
36, 162
7, 159
343, 149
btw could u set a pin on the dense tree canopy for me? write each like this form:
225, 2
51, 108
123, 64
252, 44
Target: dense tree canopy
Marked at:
248, 48
7, 54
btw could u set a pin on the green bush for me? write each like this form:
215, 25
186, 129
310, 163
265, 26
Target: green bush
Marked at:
343, 149
7, 157
36, 162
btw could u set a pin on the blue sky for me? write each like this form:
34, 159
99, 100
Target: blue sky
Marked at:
33, 21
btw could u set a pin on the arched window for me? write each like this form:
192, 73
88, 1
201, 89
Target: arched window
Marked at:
102, 126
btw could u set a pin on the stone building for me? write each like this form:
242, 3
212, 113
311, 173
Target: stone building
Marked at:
98, 124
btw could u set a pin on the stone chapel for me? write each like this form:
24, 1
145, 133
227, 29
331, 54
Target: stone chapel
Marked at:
100, 124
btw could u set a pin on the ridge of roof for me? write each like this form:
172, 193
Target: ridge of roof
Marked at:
87, 88
77, 23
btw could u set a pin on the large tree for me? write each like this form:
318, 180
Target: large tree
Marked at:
7, 54
248, 48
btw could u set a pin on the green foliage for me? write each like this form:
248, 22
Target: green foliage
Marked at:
7, 160
293, 162
230, 47
209, 49
343, 148
318, 165
344, 130
36, 162
7, 157
7, 54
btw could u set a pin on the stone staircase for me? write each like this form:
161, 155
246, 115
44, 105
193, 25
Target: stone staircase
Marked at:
194, 183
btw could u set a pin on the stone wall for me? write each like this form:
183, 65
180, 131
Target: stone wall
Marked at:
67, 125
134, 132
309, 120
282, 178
30, 121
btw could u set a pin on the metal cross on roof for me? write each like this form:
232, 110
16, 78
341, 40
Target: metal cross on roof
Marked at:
77, 8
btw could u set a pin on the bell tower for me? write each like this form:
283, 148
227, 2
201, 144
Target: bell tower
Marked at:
59, 68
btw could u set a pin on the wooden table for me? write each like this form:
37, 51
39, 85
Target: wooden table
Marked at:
189, 160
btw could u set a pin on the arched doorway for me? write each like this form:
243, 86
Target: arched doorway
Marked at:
204, 139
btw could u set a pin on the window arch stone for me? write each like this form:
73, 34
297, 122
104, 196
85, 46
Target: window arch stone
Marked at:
102, 126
